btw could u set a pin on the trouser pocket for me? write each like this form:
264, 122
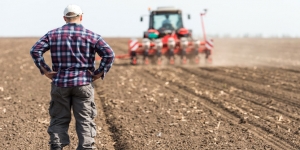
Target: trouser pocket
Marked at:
54, 106
52, 111
93, 129
94, 110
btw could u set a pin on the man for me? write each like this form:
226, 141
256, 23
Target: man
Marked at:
166, 24
166, 21
73, 50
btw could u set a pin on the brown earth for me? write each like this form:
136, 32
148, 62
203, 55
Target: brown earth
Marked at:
247, 99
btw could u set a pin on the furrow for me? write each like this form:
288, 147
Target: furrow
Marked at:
289, 98
256, 129
268, 76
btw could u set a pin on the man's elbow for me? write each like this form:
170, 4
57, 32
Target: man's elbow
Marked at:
113, 54
31, 52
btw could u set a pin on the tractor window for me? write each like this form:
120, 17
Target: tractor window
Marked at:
167, 21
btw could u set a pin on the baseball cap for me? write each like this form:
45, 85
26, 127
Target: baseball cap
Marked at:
74, 9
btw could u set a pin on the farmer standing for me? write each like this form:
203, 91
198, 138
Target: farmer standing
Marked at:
73, 49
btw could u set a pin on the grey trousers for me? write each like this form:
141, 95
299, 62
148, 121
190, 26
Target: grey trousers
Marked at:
81, 100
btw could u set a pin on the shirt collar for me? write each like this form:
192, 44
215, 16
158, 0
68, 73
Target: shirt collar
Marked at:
73, 24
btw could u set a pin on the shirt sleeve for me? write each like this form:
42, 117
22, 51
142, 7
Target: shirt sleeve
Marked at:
107, 57
37, 51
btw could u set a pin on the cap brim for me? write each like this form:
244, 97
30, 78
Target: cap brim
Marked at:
73, 15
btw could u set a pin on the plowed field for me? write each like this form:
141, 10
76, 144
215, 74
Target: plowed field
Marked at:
248, 98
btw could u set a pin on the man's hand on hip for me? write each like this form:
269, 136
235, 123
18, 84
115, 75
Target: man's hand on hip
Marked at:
48, 74
96, 77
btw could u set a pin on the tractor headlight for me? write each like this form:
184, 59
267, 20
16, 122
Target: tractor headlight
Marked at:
146, 43
184, 42
171, 43
158, 44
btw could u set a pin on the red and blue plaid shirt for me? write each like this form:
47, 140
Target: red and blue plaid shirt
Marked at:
73, 50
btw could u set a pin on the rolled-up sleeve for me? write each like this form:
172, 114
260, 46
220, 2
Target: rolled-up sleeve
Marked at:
107, 57
37, 51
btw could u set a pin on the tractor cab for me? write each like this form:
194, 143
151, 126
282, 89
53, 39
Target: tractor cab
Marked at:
163, 21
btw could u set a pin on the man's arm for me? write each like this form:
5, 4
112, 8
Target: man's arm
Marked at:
107, 55
37, 51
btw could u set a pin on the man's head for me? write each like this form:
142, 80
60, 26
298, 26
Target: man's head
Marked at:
73, 14
167, 16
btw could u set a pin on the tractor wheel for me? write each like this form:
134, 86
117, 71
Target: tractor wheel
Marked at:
133, 61
133, 58
208, 58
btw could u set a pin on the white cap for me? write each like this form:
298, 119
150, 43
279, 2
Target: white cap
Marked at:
74, 9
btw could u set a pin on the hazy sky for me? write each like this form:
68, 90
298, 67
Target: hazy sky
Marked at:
121, 17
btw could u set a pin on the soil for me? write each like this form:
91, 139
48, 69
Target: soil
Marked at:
248, 98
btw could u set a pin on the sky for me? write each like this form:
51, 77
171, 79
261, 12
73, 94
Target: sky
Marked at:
121, 18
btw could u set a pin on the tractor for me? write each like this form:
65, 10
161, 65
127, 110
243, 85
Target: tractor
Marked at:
167, 41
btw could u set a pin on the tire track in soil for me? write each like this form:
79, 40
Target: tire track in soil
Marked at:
232, 115
105, 141
280, 98
289, 98
284, 124
265, 101
212, 108
292, 70
165, 114
248, 97
212, 77
108, 104
280, 107
118, 143
269, 76
254, 89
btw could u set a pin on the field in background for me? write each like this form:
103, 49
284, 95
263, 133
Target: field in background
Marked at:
247, 99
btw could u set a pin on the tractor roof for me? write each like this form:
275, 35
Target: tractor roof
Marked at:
166, 9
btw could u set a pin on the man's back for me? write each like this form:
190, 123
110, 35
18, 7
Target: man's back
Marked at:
73, 50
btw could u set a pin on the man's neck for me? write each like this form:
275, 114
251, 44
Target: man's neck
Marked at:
77, 22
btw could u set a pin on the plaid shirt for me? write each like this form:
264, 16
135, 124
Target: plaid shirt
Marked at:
73, 50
